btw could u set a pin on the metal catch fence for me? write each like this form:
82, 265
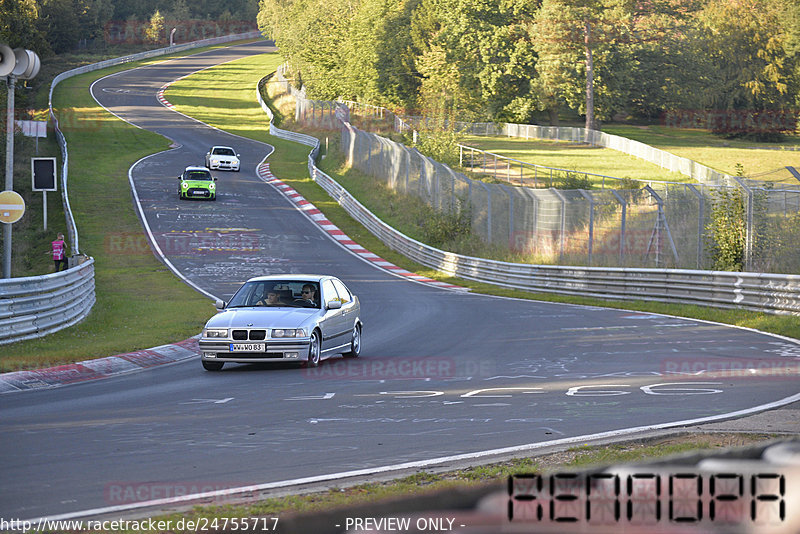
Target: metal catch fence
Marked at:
661, 224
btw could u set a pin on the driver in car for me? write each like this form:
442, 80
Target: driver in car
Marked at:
308, 296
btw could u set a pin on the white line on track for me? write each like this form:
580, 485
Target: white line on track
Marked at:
171, 501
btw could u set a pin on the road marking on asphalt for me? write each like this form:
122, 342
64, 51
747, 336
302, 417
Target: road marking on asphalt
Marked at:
209, 401
313, 397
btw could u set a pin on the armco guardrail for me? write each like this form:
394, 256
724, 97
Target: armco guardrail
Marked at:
35, 306
773, 293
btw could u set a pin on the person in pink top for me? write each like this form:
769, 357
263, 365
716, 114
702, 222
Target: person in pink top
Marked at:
59, 252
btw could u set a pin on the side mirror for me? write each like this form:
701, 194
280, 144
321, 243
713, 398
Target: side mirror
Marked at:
238, 155
215, 179
334, 305
208, 153
220, 304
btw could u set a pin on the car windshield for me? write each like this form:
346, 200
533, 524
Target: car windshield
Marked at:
197, 175
277, 293
221, 151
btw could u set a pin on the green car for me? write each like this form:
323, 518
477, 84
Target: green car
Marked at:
197, 182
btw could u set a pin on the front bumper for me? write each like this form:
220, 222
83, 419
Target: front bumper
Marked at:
196, 192
217, 350
224, 165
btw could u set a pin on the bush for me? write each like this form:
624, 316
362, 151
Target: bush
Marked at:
444, 228
573, 180
727, 230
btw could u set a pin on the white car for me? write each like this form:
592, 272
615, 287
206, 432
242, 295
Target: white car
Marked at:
284, 318
222, 158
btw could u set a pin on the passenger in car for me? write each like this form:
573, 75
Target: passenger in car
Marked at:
272, 299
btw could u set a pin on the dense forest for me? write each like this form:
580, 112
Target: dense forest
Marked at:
56, 26
731, 65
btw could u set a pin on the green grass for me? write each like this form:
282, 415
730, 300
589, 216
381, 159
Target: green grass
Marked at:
757, 159
30, 242
140, 303
720, 154
570, 156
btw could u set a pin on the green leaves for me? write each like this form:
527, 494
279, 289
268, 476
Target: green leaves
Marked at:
510, 60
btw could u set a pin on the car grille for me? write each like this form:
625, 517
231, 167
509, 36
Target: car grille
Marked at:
196, 192
259, 355
252, 335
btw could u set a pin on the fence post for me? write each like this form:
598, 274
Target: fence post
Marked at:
510, 212
563, 230
590, 198
661, 219
488, 211
749, 237
622, 227
700, 220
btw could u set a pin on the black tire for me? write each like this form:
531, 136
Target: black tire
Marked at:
314, 349
212, 366
355, 343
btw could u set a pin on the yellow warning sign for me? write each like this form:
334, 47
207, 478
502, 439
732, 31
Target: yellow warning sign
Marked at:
12, 207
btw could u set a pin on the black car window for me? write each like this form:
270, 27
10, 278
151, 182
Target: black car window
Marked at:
290, 293
197, 175
223, 152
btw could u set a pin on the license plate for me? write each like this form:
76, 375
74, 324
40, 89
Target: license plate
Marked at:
248, 347
199, 193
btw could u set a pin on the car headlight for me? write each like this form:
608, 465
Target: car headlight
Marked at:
184, 185
288, 332
215, 332
211, 186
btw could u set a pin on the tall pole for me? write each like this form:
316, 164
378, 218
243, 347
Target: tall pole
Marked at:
9, 173
587, 40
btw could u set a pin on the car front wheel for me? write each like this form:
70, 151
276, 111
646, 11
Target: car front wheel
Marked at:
355, 344
213, 366
313, 350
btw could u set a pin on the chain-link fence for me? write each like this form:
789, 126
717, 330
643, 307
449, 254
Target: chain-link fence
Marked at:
660, 225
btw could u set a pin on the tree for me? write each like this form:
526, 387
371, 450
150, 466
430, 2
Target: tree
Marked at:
60, 24
754, 69
602, 57
18, 26
567, 35
154, 30
474, 56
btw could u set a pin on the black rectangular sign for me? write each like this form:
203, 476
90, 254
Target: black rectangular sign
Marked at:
44, 174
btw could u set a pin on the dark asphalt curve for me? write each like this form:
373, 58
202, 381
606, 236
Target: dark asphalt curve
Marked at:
443, 373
